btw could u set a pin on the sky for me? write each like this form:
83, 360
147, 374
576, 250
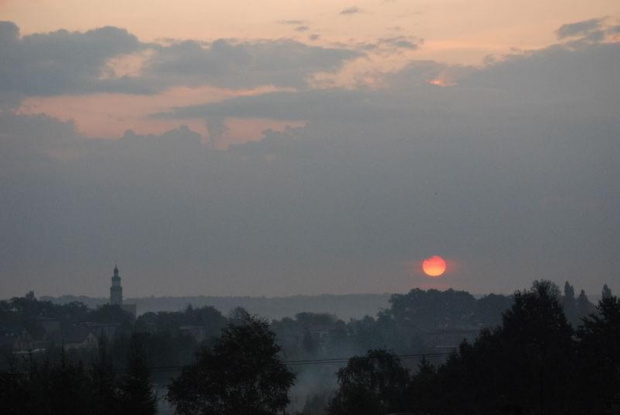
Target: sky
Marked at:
287, 147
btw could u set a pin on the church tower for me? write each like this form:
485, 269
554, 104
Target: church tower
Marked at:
116, 291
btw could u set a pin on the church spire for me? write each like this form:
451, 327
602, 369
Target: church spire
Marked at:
116, 290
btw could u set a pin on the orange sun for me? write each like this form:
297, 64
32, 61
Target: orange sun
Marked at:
434, 266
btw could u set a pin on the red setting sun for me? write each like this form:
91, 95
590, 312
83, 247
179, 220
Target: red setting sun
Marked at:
434, 266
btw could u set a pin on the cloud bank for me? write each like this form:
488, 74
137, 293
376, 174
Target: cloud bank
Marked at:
61, 63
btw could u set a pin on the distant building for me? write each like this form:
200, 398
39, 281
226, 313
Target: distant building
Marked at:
116, 291
116, 294
107, 330
80, 337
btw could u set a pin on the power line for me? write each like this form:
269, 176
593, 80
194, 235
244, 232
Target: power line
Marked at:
310, 362
346, 359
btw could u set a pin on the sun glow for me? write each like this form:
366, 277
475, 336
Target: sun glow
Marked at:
441, 82
434, 266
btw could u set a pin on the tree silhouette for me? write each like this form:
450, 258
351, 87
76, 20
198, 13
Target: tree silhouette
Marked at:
241, 375
374, 384
422, 391
584, 306
13, 389
599, 356
136, 392
103, 381
569, 291
523, 365
570, 304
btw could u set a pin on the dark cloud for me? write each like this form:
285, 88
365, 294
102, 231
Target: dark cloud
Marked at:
293, 22
596, 36
241, 65
217, 128
75, 63
63, 62
589, 31
9, 33
351, 10
385, 46
311, 104
523, 79
401, 42
390, 44
587, 71
579, 28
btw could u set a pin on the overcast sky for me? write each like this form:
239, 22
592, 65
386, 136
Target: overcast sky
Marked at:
222, 148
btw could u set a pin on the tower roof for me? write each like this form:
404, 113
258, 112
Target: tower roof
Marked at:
116, 276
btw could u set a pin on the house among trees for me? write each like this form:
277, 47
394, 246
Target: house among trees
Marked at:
80, 337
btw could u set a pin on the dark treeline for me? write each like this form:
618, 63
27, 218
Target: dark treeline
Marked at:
417, 322
345, 306
534, 362
66, 386
537, 351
